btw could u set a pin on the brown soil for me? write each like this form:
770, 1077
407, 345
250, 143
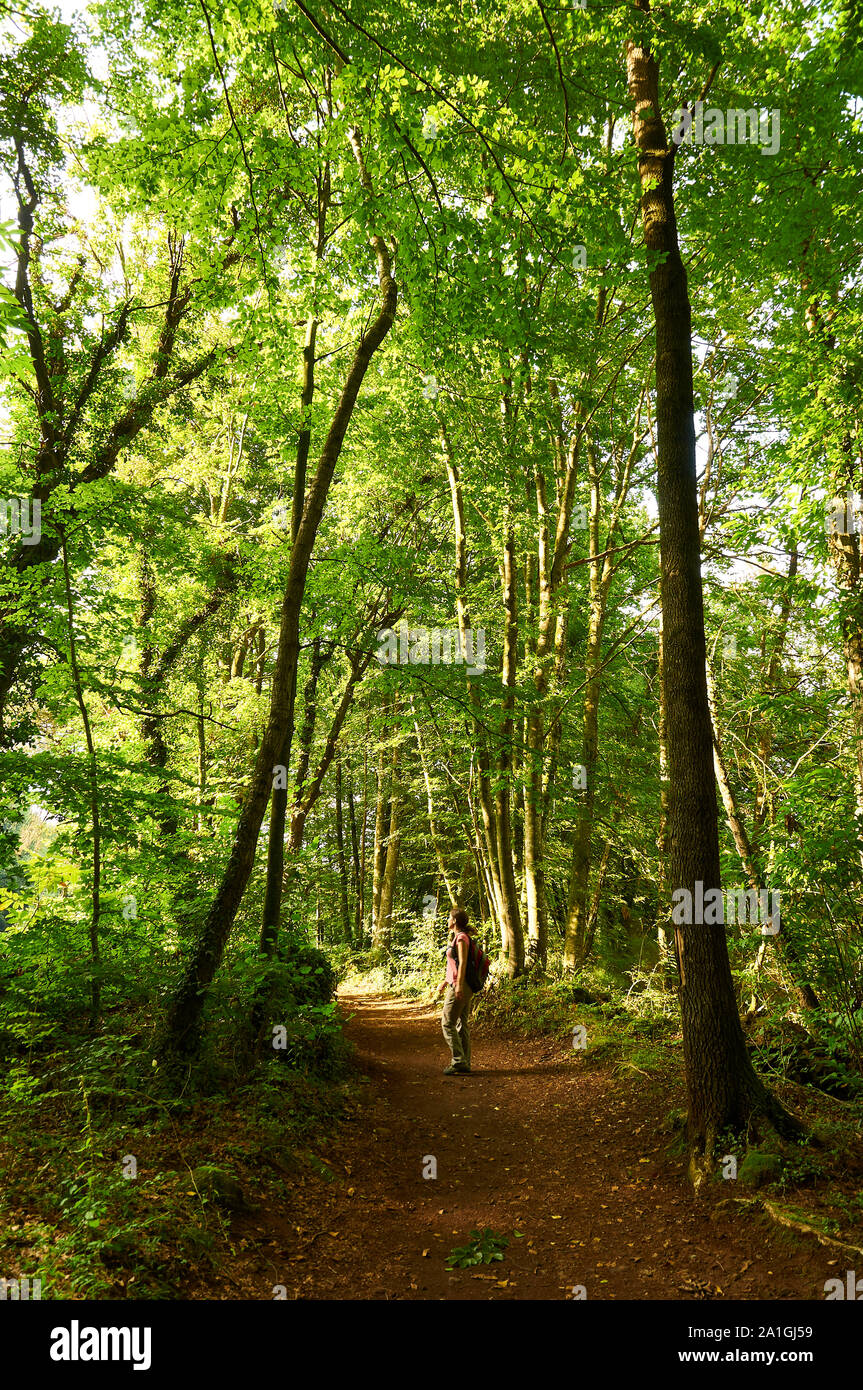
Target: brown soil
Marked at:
535, 1141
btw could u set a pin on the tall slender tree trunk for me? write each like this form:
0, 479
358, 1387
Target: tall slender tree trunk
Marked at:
361, 900
183, 1021
200, 728
309, 788
664, 932
723, 1089
452, 891
355, 847
342, 862
502, 891
382, 937
155, 672
806, 996
601, 573
318, 658
536, 911
535, 907
771, 687
379, 845
503, 795
579, 880
279, 801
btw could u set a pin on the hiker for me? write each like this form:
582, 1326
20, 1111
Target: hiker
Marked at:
458, 994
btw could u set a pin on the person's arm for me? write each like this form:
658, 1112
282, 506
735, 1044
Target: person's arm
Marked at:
462, 970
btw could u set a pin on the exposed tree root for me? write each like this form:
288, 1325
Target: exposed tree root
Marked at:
765, 1112
783, 1218
786, 1125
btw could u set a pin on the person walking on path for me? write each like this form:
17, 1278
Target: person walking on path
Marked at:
459, 996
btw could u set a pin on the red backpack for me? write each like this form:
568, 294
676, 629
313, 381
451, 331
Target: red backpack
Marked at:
477, 967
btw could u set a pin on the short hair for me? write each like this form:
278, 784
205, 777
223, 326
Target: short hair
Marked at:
459, 916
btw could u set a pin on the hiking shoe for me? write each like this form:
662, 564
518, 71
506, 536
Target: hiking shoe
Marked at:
456, 1071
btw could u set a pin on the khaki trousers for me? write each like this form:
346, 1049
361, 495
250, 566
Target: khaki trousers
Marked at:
454, 1024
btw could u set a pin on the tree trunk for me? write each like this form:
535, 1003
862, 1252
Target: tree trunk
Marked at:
183, 1020
536, 913
279, 802
311, 787
378, 848
452, 893
501, 888
602, 568
382, 937
806, 996
155, 673
723, 1089
202, 764
579, 881
664, 933
355, 848
503, 796
340, 846
361, 901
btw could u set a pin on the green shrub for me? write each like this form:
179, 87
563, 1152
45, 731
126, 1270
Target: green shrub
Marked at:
302, 974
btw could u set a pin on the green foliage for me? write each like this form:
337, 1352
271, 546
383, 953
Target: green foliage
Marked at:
179, 222
484, 1248
304, 975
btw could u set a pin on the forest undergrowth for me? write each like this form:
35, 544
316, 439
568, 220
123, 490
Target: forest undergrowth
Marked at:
115, 1187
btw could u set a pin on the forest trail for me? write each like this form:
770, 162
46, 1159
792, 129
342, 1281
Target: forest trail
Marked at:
532, 1141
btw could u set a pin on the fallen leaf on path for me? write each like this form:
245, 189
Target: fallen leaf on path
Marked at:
701, 1288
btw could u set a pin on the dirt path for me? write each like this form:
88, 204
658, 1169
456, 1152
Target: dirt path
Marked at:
531, 1141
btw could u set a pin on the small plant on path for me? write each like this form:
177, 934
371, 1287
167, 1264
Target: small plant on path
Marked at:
484, 1247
